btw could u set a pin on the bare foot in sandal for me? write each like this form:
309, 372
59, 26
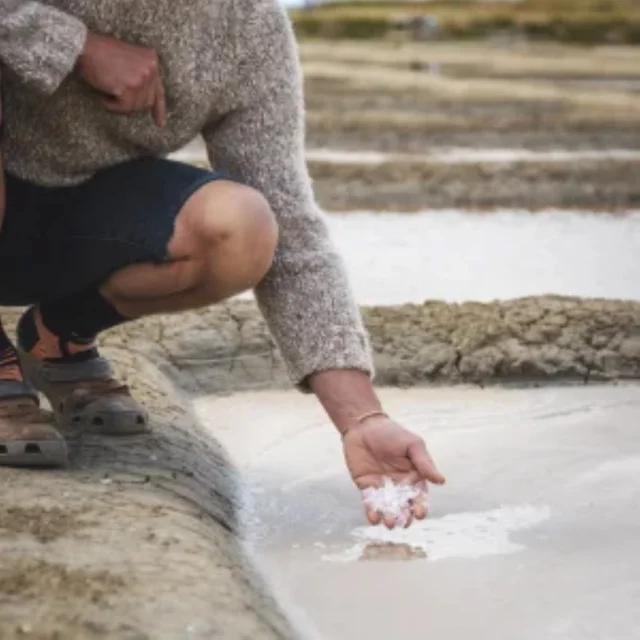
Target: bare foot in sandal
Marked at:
77, 381
27, 435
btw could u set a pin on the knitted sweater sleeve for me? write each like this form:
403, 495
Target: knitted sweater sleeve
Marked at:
38, 42
306, 298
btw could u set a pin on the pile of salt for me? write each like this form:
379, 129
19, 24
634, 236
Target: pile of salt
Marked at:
391, 499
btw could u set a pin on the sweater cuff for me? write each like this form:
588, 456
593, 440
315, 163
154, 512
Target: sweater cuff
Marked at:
63, 48
347, 349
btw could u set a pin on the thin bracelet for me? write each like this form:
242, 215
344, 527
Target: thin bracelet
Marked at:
371, 414
366, 416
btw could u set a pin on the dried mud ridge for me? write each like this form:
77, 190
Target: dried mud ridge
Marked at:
406, 185
138, 538
228, 348
591, 185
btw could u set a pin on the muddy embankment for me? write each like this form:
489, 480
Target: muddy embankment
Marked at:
588, 185
402, 184
228, 348
138, 538
412, 98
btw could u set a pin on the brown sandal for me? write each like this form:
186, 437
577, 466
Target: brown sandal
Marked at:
27, 435
85, 396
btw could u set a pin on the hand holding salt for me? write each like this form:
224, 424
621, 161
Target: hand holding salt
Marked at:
395, 502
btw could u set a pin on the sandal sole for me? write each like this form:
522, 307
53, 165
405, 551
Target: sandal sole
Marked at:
112, 424
33, 453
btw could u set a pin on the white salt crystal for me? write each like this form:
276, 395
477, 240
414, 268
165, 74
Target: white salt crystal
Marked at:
390, 499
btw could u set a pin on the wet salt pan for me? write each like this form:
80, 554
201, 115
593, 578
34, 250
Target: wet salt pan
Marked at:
461, 535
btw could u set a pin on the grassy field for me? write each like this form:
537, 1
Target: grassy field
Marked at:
585, 21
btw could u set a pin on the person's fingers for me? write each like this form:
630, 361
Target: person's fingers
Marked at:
121, 105
420, 504
131, 101
144, 97
423, 462
160, 104
420, 510
374, 517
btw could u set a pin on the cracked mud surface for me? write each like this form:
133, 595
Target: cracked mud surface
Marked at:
596, 185
539, 339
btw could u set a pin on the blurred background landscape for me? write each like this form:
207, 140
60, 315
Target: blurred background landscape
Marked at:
528, 110
415, 78
584, 21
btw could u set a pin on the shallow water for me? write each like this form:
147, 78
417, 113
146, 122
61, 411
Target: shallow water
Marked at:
536, 534
458, 256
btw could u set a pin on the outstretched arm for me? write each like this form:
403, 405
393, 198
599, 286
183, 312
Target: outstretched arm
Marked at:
306, 298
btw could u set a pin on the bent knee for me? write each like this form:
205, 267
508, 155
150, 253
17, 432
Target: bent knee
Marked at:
251, 219
227, 213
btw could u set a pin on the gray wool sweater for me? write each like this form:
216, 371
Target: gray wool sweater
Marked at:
231, 74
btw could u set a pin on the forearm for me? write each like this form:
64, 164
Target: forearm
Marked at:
306, 298
347, 395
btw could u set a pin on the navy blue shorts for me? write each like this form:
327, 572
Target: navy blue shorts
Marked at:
57, 241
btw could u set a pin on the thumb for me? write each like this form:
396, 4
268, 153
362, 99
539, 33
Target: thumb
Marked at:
423, 462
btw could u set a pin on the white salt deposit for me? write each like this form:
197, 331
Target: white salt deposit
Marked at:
391, 499
459, 535
507, 254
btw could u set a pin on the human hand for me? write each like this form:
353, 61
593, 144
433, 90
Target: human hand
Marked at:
380, 448
127, 76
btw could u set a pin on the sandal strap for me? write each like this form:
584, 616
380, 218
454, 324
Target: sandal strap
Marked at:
93, 369
13, 389
93, 390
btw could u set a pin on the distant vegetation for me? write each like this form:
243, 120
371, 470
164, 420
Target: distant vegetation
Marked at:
579, 21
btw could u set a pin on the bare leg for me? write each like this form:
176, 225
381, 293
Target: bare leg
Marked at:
223, 244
